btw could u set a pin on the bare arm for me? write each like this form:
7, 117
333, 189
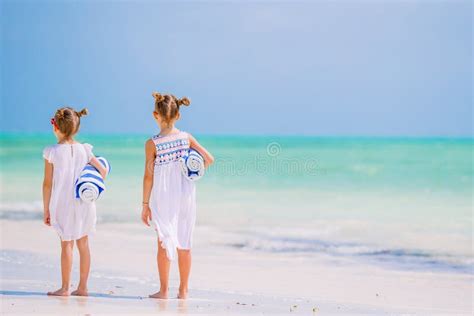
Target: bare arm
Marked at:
150, 152
47, 188
99, 166
194, 144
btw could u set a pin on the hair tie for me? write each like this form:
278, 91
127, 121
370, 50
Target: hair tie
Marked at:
53, 122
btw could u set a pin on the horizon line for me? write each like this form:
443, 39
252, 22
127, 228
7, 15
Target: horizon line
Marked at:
361, 136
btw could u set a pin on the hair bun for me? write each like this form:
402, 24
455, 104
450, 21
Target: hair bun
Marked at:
158, 97
83, 112
59, 114
183, 101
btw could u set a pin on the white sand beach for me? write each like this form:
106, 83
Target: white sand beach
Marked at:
342, 181
224, 280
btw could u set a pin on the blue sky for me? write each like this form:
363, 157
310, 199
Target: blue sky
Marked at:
378, 68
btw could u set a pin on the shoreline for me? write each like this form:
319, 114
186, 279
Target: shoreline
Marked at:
223, 280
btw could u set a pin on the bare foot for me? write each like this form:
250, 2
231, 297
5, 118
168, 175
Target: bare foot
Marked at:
160, 295
182, 294
80, 292
60, 292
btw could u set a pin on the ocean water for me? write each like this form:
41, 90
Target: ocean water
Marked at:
401, 203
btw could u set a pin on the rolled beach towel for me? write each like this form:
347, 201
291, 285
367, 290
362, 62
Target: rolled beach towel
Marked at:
192, 165
90, 185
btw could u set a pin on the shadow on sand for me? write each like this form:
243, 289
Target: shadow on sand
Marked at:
100, 295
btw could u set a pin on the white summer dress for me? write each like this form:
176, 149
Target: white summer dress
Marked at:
173, 197
70, 217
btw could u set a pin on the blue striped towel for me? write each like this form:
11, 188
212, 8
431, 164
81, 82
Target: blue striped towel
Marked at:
192, 165
90, 184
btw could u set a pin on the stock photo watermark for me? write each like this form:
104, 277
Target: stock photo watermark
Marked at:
271, 162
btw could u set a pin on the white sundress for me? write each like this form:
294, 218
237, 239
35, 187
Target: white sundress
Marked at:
70, 217
173, 197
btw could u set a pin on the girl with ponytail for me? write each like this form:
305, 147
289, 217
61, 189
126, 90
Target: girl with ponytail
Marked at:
169, 199
73, 219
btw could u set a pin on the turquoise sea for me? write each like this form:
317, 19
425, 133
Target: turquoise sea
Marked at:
403, 203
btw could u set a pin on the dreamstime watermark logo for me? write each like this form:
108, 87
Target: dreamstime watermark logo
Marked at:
274, 161
273, 149
271, 160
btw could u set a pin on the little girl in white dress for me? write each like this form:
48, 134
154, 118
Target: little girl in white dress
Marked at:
169, 198
72, 218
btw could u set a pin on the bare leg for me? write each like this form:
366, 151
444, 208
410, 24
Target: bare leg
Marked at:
184, 262
85, 265
164, 271
66, 266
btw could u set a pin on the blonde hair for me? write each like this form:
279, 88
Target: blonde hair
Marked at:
167, 105
68, 120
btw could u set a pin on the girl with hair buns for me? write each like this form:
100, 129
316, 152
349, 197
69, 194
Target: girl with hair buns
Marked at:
169, 199
72, 218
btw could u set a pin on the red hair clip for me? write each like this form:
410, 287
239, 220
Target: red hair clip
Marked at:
53, 122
